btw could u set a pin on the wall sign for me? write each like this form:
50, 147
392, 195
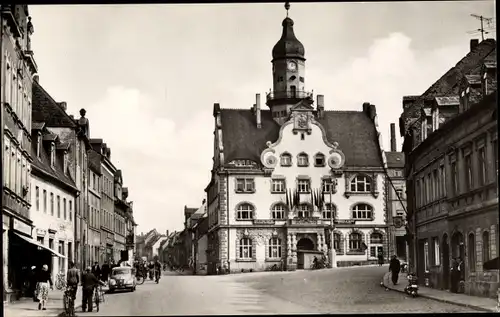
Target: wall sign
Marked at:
345, 221
21, 227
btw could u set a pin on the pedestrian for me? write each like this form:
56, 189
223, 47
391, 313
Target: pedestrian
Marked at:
105, 271
380, 259
32, 283
455, 275
96, 270
394, 268
460, 275
73, 279
89, 282
44, 281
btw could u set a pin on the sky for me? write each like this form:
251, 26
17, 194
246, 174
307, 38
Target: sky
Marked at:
148, 75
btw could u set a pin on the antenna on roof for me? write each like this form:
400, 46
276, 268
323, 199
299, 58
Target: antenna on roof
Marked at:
482, 30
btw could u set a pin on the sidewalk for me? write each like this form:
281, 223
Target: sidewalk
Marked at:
26, 307
475, 302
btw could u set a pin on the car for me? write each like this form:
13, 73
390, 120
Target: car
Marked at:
122, 278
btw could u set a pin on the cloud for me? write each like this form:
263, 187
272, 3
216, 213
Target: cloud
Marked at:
166, 165
390, 69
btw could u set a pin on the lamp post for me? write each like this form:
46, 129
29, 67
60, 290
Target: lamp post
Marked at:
333, 262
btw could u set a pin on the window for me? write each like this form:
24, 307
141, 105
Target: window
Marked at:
468, 171
362, 212
454, 177
37, 198
65, 215
70, 252
336, 241
437, 254
52, 154
472, 252
51, 204
443, 180
278, 211
44, 201
93, 181
40, 240
328, 211
304, 211
244, 212
375, 250
70, 210
361, 183
58, 207
495, 157
376, 238
355, 241
8, 80
6, 162
275, 248
429, 188
13, 92
399, 194
482, 166
304, 185
419, 193
245, 185
328, 185
426, 256
435, 184
302, 160
278, 186
246, 248
319, 160
486, 246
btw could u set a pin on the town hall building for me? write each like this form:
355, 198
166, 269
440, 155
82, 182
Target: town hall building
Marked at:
283, 178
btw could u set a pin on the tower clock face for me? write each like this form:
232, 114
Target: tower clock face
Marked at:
292, 66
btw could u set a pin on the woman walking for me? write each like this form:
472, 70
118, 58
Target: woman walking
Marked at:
44, 281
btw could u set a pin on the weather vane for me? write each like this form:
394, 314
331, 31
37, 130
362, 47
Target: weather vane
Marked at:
287, 7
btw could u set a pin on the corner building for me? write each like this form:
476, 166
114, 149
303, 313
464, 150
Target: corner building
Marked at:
269, 199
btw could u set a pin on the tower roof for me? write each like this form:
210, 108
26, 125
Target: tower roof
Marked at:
288, 45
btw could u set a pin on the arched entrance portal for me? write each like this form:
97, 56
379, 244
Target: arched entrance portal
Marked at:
305, 251
457, 245
446, 261
305, 244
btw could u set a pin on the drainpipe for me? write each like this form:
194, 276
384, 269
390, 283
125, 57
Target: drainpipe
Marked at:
228, 229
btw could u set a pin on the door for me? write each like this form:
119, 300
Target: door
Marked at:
293, 91
446, 263
300, 260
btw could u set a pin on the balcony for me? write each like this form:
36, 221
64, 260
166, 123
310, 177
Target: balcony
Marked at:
294, 95
9, 14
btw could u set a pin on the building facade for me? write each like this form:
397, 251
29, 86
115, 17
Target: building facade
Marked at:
396, 200
452, 167
108, 170
94, 220
54, 194
16, 77
282, 176
130, 228
120, 214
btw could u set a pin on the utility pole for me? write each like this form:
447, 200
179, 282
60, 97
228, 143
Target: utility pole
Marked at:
482, 19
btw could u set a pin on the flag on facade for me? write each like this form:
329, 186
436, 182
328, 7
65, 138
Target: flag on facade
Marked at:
312, 197
287, 199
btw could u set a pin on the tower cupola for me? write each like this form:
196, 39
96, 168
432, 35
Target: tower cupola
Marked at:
288, 45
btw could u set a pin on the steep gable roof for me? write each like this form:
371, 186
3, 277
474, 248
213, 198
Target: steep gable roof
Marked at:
95, 162
353, 130
46, 109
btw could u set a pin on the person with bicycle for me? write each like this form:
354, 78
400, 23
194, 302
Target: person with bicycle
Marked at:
89, 283
72, 279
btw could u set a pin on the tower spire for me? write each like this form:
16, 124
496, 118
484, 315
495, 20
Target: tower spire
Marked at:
287, 7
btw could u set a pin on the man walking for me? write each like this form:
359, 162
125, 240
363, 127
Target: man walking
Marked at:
105, 271
394, 268
96, 270
89, 282
73, 279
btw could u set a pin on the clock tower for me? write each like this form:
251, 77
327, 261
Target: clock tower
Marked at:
288, 72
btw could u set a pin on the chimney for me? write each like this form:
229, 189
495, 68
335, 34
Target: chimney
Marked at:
63, 105
320, 104
167, 233
36, 78
393, 137
473, 44
370, 110
257, 111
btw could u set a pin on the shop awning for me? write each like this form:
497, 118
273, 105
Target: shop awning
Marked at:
38, 244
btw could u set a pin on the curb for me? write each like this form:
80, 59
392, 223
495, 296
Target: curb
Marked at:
444, 300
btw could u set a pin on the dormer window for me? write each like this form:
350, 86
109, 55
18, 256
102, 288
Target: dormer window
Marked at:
52, 154
302, 160
65, 162
39, 145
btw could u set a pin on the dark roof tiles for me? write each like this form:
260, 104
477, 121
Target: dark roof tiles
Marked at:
395, 159
37, 125
46, 109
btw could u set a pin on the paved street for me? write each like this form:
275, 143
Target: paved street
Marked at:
342, 290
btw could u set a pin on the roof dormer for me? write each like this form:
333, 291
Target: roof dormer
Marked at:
63, 148
488, 77
52, 154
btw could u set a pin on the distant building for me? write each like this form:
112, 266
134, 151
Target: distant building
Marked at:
120, 213
451, 153
95, 181
396, 200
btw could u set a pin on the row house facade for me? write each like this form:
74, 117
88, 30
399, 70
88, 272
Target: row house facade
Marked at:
121, 213
452, 168
396, 200
18, 68
95, 178
282, 176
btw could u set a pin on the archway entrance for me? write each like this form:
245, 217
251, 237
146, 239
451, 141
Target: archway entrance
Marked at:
446, 262
457, 245
305, 250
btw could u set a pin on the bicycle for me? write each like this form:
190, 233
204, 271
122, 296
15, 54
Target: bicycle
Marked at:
139, 278
98, 296
69, 303
60, 281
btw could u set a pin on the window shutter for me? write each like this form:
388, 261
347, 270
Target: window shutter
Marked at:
254, 249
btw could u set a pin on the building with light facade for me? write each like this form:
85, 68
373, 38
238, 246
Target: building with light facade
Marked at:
269, 199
